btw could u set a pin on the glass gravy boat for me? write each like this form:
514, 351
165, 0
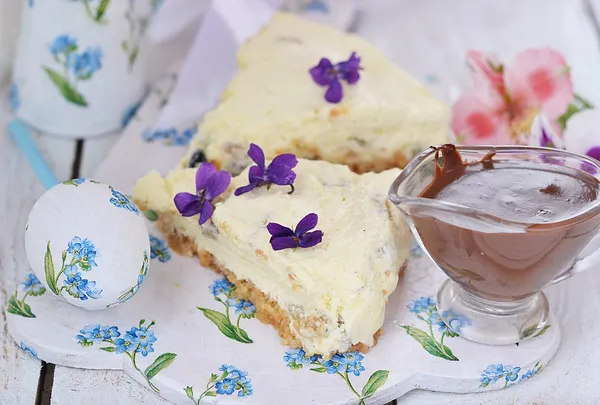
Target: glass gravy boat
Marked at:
497, 267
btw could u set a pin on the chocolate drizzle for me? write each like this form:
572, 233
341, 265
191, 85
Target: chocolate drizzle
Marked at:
450, 169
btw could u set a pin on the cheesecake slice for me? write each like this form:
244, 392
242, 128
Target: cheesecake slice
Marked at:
326, 297
384, 118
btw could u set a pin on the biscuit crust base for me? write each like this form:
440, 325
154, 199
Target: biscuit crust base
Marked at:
352, 159
267, 310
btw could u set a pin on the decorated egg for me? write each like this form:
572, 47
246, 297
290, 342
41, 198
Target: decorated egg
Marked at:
88, 244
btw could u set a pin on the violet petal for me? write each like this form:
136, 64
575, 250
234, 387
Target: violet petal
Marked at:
325, 64
281, 176
348, 70
322, 73
594, 152
287, 160
306, 224
334, 93
277, 230
204, 172
245, 189
310, 239
217, 184
588, 167
352, 77
187, 204
257, 155
353, 62
542, 134
256, 174
280, 170
545, 140
283, 242
207, 211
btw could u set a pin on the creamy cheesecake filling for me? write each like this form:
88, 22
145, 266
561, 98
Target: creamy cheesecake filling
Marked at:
382, 121
335, 292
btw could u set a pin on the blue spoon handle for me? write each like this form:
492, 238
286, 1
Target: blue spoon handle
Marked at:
22, 137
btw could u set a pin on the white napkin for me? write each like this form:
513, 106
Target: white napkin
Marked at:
211, 62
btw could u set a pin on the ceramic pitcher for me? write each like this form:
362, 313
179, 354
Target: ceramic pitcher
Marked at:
80, 65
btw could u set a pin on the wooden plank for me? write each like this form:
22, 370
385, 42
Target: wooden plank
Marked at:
19, 372
58, 152
19, 189
95, 151
95, 386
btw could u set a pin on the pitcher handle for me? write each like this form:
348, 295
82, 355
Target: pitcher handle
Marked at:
588, 258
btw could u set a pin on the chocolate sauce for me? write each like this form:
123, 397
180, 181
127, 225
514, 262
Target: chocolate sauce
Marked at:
552, 200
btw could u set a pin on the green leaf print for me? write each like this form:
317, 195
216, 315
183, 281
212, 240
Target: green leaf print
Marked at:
438, 329
69, 93
41, 291
429, 343
163, 361
531, 330
99, 13
133, 56
131, 349
236, 381
376, 381
84, 77
101, 9
225, 326
151, 215
85, 266
242, 334
319, 369
17, 307
49, 270
544, 329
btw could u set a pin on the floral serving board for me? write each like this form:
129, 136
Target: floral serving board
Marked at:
183, 336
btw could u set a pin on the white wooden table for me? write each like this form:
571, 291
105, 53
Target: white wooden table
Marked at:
429, 38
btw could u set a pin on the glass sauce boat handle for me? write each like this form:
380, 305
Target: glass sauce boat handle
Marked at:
587, 259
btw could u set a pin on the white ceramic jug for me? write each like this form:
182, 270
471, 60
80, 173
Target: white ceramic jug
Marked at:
80, 65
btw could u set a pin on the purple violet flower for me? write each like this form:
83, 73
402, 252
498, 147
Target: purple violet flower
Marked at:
543, 135
283, 237
330, 75
594, 152
545, 140
210, 183
278, 172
